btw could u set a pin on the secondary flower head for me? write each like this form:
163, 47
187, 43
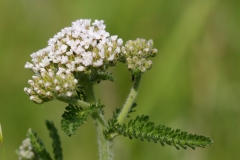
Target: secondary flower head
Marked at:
135, 54
82, 50
25, 151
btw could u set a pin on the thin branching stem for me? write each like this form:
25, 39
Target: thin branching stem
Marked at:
73, 101
104, 144
130, 100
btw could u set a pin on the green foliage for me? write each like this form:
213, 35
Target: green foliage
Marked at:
80, 93
75, 116
94, 78
102, 76
38, 147
56, 144
141, 128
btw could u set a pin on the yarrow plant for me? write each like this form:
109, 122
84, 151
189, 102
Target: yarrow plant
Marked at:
76, 59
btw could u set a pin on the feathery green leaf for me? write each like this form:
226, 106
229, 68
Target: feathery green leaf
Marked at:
141, 128
56, 144
75, 116
38, 147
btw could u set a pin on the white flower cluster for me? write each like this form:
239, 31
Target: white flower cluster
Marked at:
83, 47
49, 85
135, 54
25, 151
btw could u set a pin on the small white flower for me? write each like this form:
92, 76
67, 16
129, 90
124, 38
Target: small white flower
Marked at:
101, 53
110, 49
87, 58
47, 84
57, 88
64, 59
98, 63
28, 65
32, 97
25, 89
100, 46
75, 81
110, 44
40, 81
68, 71
79, 50
117, 50
48, 93
71, 67
77, 60
52, 41
55, 81
45, 62
111, 57
50, 73
69, 94
57, 59
60, 70
63, 76
66, 85
63, 48
30, 81
80, 68
69, 53
146, 50
119, 42
113, 38
29, 91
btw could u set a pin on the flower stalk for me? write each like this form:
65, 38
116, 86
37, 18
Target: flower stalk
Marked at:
130, 100
104, 144
74, 101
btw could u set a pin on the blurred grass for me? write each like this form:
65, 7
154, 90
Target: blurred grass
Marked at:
194, 83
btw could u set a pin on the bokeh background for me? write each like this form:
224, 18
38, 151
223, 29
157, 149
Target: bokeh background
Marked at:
194, 83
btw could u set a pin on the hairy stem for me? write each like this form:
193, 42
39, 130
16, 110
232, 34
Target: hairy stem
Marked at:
73, 101
104, 144
130, 99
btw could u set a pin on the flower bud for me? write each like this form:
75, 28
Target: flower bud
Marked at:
135, 54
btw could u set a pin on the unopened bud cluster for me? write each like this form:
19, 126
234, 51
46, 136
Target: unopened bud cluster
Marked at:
50, 85
82, 48
135, 54
25, 151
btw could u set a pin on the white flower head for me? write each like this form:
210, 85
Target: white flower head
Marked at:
25, 151
84, 48
135, 54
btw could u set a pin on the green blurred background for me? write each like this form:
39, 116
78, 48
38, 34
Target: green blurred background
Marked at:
194, 83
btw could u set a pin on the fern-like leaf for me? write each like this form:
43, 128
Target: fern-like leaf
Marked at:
56, 144
141, 128
38, 147
110, 131
74, 117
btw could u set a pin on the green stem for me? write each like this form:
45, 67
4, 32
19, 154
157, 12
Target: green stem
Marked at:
104, 144
4, 151
130, 100
73, 101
